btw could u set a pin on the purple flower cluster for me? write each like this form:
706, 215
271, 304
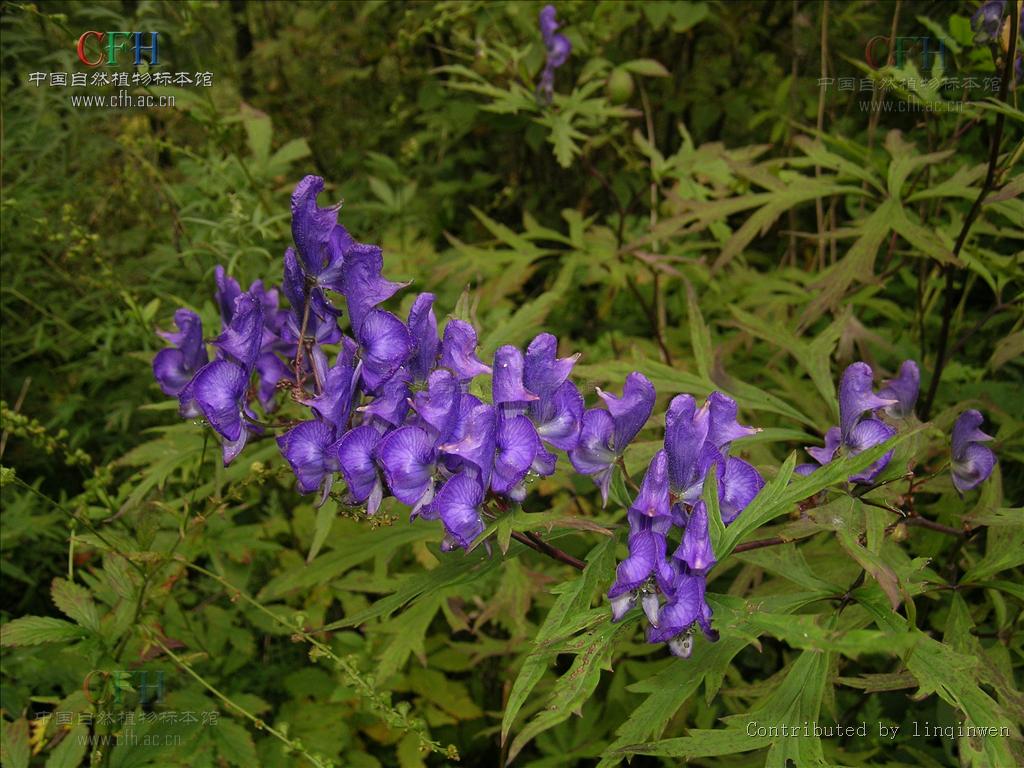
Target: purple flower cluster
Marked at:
670, 498
392, 413
558, 50
861, 426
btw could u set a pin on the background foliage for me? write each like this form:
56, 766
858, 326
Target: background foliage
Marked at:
714, 219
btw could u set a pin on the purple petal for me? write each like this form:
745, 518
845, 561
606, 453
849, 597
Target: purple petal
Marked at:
543, 372
823, 456
188, 339
974, 467
355, 452
243, 338
653, 498
903, 389
695, 549
856, 397
226, 292
679, 614
548, 22
646, 552
386, 344
218, 390
334, 403
558, 418
391, 402
407, 456
363, 286
474, 442
967, 430
507, 384
516, 444
458, 351
312, 225
593, 452
305, 447
172, 371
866, 434
631, 411
737, 487
723, 427
458, 504
423, 329
438, 404
686, 429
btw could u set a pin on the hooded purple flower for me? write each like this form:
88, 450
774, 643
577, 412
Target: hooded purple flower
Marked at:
242, 340
558, 409
516, 446
362, 284
458, 505
649, 521
856, 397
867, 434
218, 392
677, 617
903, 389
723, 427
737, 487
507, 383
695, 549
426, 345
226, 292
313, 229
605, 435
175, 366
972, 462
385, 342
390, 404
409, 458
438, 404
988, 20
355, 454
558, 50
320, 322
337, 385
310, 450
458, 351
472, 444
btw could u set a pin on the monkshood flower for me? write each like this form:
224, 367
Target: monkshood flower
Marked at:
311, 451
174, 367
858, 429
605, 434
988, 20
558, 50
972, 462
903, 389
677, 618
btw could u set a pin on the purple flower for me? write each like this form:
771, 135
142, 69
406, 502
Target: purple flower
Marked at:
458, 505
636, 577
737, 487
558, 50
604, 435
438, 404
507, 382
972, 462
310, 450
686, 430
867, 434
355, 453
722, 425
219, 391
390, 404
988, 20
856, 397
242, 340
362, 284
677, 617
458, 351
653, 498
516, 446
903, 389
423, 331
385, 342
174, 367
558, 409
319, 322
313, 227
337, 386
472, 444
409, 459
695, 549
225, 294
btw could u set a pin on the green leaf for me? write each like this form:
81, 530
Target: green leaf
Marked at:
75, 602
14, 747
646, 67
573, 599
71, 750
36, 630
324, 521
235, 743
410, 629
700, 337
